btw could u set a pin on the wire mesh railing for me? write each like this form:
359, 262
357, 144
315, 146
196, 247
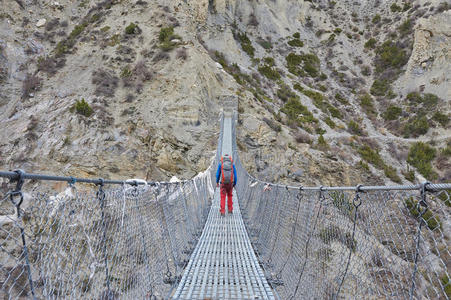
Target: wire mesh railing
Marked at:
116, 240
350, 242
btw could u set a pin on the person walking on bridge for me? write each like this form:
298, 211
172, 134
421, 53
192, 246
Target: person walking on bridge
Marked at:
227, 174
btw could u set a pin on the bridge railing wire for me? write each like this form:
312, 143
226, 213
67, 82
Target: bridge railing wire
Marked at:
349, 242
108, 240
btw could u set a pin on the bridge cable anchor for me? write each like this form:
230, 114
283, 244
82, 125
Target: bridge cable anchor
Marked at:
12, 194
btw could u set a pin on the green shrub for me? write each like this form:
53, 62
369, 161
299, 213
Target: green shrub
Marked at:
82, 107
334, 112
371, 156
337, 30
430, 100
380, 87
440, 118
406, 6
320, 131
126, 72
420, 156
371, 43
296, 35
354, 128
105, 29
341, 99
409, 175
416, 126
220, 58
367, 104
446, 284
298, 87
414, 97
321, 87
405, 27
363, 165
269, 72
395, 7
77, 31
246, 44
431, 220
329, 122
446, 151
297, 112
132, 28
285, 93
389, 55
269, 61
322, 144
165, 33
376, 19
310, 63
296, 43
392, 113
391, 173
265, 44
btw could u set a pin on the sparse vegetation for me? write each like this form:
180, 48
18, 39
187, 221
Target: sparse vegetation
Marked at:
132, 28
354, 128
329, 122
106, 83
166, 37
310, 64
440, 118
395, 7
265, 44
341, 99
406, 27
376, 19
371, 43
380, 87
246, 44
285, 93
374, 158
298, 113
367, 104
322, 144
409, 175
432, 220
296, 43
389, 55
420, 156
273, 125
31, 84
82, 108
334, 233
269, 72
416, 126
392, 113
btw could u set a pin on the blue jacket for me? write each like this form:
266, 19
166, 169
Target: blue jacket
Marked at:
218, 174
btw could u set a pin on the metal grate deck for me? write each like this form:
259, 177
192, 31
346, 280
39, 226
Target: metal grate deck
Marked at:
223, 264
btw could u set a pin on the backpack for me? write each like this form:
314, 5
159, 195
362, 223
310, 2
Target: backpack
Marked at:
227, 169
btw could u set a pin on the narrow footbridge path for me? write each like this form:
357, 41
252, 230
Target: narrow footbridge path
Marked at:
223, 264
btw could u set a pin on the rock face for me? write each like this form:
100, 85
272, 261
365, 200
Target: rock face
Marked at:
429, 63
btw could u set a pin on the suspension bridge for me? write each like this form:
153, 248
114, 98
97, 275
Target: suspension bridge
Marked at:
158, 240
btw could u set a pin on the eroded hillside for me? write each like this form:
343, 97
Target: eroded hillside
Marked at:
328, 92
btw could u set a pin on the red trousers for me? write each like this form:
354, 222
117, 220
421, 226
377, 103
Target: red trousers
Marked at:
226, 190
